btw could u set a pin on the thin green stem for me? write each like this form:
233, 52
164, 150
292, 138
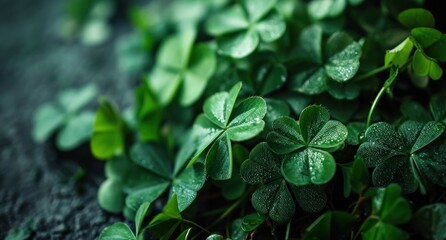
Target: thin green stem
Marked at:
371, 73
287, 233
375, 103
197, 225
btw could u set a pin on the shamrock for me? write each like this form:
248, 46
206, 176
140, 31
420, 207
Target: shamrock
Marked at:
273, 197
407, 156
240, 27
389, 209
64, 114
159, 176
223, 123
330, 73
180, 64
307, 145
415, 111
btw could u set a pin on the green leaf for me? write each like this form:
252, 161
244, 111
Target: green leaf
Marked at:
310, 41
311, 120
330, 225
435, 71
72, 100
311, 81
108, 132
437, 106
184, 235
285, 136
319, 9
218, 107
271, 28
430, 222
151, 157
414, 111
176, 50
274, 200
343, 57
311, 198
215, 237
237, 232
359, 179
400, 54
246, 121
257, 9
47, 119
142, 212
416, 17
426, 37
270, 78
309, 166
148, 113
200, 69
262, 166
117, 231
187, 184
252, 221
384, 231
77, 130
21, 233
438, 49
239, 44
204, 133
171, 208
230, 20
149, 193
404, 156
392, 208
110, 196
219, 159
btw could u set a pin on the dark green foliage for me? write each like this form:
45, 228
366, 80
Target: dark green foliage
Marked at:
280, 119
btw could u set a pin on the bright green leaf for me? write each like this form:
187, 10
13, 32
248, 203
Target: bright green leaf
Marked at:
117, 231
416, 17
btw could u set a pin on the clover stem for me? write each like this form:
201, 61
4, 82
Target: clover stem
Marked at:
371, 73
287, 233
197, 225
375, 103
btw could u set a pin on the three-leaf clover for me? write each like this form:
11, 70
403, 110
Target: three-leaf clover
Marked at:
415, 111
64, 114
181, 66
389, 209
273, 198
407, 156
330, 71
160, 176
223, 122
307, 144
108, 137
240, 27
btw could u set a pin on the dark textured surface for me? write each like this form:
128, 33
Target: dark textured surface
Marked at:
36, 181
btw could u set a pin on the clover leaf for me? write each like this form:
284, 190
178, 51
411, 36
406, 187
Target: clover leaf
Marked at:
74, 127
273, 198
160, 176
332, 72
180, 64
416, 17
223, 122
430, 222
117, 231
241, 27
415, 111
148, 115
330, 225
390, 209
108, 137
407, 156
307, 145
